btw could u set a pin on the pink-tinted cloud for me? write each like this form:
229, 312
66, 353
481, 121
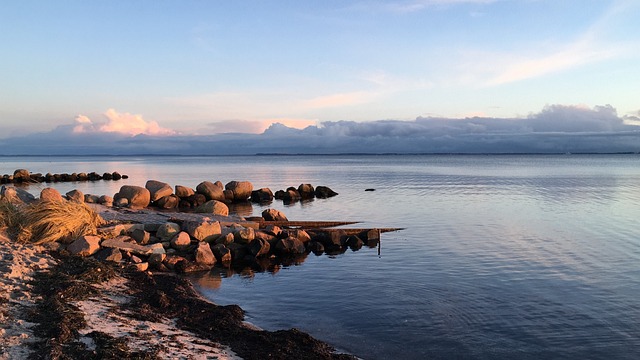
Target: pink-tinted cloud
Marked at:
257, 126
121, 123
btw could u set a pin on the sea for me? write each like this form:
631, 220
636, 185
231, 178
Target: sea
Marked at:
499, 256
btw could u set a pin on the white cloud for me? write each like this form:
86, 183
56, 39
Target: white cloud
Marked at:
121, 123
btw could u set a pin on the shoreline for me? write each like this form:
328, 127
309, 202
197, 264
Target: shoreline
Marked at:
76, 307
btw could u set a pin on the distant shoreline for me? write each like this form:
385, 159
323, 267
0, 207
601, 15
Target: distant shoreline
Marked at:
325, 154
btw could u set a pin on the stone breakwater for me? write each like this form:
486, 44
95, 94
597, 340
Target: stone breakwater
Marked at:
195, 230
20, 176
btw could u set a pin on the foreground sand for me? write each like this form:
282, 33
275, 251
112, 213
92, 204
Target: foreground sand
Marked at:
70, 307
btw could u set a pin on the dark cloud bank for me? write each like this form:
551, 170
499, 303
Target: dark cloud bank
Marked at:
556, 129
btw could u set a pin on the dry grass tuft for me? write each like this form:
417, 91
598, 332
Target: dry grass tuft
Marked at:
9, 215
44, 222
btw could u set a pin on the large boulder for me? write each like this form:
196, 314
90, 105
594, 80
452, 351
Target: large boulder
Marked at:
75, 196
298, 234
105, 200
241, 190
203, 230
181, 241
306, 191
262, 195
259, 247
183, 191
167, 231
137, 196
85, 245
204, 255
290, 246
16, 195
214, 207
210, 190
21, 175
158, 189
324, 192
168, 202
244, 235
274, 215
50, 194
221, 252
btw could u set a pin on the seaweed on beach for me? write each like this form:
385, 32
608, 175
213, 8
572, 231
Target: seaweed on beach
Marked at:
170, 296
59, 322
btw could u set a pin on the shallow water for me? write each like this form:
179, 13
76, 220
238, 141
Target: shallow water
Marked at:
502, 256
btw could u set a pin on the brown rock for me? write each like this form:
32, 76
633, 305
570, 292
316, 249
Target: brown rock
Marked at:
204, 255
241, 190
137, 197
75, 196
210, 190
214, 207
181, 241
274, 215
50, 194
158, 189
203, 230
183, 191
85, 245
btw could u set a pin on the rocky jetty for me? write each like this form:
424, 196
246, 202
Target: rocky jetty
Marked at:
24, 176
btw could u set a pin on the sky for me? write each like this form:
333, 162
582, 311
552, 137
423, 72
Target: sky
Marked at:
207, 70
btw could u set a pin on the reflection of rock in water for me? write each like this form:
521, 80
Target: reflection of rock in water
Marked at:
210, 279
243, 208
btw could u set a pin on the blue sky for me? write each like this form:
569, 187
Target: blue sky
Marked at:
204, 67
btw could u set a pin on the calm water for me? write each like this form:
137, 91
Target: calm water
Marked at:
503, 257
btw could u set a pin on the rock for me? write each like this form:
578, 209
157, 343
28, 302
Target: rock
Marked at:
291, 195
156, 259
183, 191
273, 215
85, 245
306, 191
172, 260
75, 196
50, 194
370, 189
125, 243
259, 247
168, 202
324, 192
225, 239
244, 235
81, 176
228, 195
116, 176
315, 247
298, 234
158, 189
214, 207
241, 190
105, 200
290, 246
181, 241
279, 195
21, 175
107, 176
238, 251
262, 195
196, 200
221, 252
273, 230
210, 190
203, 230
138, 197
354, 242
91, 199
204, 255
140, 236
16, 195
144, 266
121, 202
108, 254
264, 236
167, 231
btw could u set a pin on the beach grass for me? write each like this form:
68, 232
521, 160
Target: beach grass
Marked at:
49, 221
